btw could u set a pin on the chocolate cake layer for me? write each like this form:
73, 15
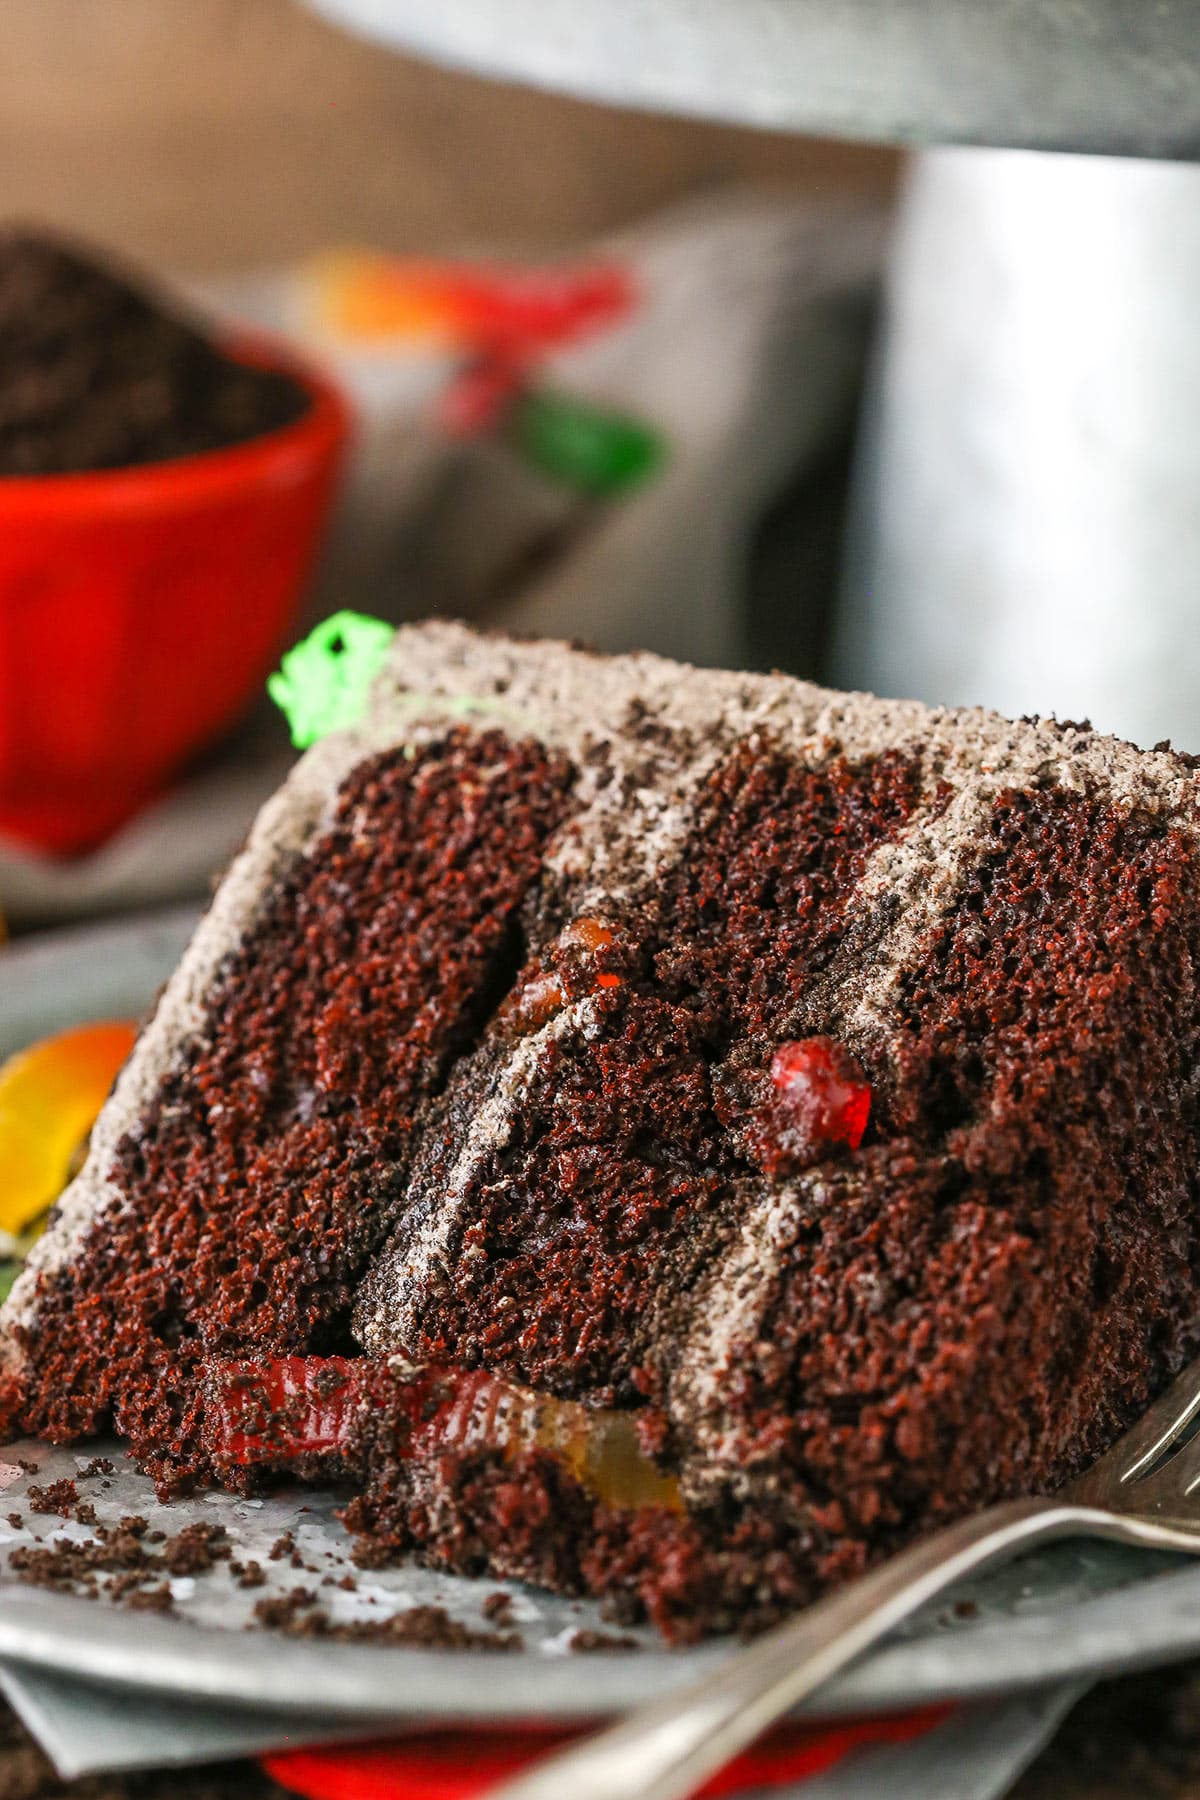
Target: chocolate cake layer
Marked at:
535, 1036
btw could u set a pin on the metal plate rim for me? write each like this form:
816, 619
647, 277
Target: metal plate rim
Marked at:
83, 1639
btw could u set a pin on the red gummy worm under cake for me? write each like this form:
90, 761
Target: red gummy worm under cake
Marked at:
667, 1135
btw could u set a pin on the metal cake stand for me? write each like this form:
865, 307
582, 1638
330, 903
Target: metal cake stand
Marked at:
1116, 76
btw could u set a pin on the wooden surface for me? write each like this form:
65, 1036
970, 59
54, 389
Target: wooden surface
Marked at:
217, 133
26, 1775
1126, 1740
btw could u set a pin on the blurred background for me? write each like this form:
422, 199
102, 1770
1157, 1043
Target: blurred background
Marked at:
749, 396
228, 134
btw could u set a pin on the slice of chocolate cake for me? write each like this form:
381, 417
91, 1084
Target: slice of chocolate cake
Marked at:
665, 1134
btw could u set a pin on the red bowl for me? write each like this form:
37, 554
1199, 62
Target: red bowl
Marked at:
141, 608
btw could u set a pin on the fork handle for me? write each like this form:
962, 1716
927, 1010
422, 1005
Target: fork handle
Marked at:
665, 1750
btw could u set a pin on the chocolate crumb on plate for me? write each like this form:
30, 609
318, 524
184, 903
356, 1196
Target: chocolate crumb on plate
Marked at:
60, 1497
99, 1465
586, 1643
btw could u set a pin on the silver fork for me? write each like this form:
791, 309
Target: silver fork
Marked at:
1146, 1490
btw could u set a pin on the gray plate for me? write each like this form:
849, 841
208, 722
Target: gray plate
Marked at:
1077, 1610
1107, 75
64, 978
